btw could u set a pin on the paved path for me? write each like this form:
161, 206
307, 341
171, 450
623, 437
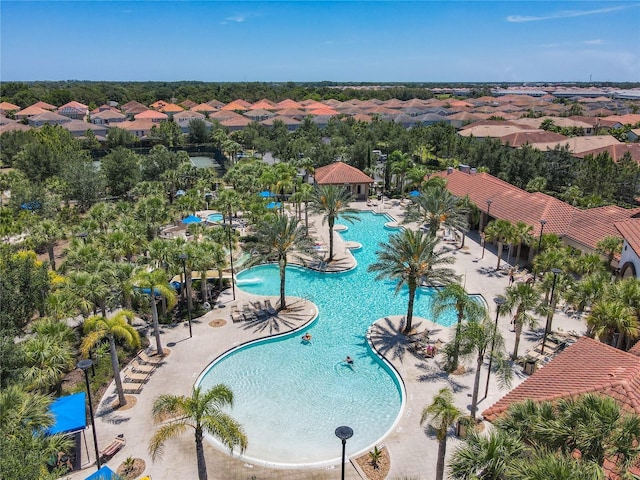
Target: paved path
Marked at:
412, 449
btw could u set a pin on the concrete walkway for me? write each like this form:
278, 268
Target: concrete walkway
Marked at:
412, 448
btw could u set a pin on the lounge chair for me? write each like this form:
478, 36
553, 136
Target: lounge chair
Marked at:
269, 307
113, 448
131, 377
145, 359
261, 314
138, 367
249, 316
133, 388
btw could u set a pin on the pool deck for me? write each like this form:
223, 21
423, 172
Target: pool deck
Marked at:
412, 448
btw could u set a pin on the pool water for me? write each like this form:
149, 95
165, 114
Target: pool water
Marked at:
291, 396
215, 217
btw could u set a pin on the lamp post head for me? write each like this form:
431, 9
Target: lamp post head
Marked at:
489, 202
543, 222
85, 364
344, 433
183, 256
555, 271
499, 301
82, 235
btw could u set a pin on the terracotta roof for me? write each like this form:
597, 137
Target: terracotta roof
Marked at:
187, 104
281, 118
188, 114
536, 136
258, 113
578, 145
616, 151
133, 106
238, 121
588, 366
48, 116
151, 115
171, 108
237, 105
224, 115
562, 122
339, 173
74, 105
12, 127
4, 120
291, 112
137, 125
288, 103
215, 103
312, 104
45, 105
629, 119
263, 104
8, 107
630, 231
322, 111
332, 102
158, 104
31, 111
80, 126
204, 107
494, 131
586, 227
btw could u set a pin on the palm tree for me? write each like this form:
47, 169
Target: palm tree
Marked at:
500, 231
544, 465
437, 207
476, 341
46, 233
485, 456
202, 412
47, 360
455, 297
523, 298
608, 317
97, 328
157, 284
410, 259
332, 202
442, 414
523, 235
277, 237
610, 246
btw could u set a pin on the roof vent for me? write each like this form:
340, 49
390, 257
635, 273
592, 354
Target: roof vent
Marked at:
449, 170
473, 171
464, 168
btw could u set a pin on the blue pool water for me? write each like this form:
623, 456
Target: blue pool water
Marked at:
290, 396
215, 217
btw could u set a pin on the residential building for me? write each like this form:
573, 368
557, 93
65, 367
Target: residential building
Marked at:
108, 117
50, 118
74, 110
356, 182
630, 256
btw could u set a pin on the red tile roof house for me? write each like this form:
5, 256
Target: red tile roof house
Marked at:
47, 117
587, 366
581, 229
74, 110
339, 173
107, 117
630, 256
6, 107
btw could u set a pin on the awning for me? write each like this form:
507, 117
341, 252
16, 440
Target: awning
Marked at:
266, 194
414, 193
274, 205
69, 413
105, 473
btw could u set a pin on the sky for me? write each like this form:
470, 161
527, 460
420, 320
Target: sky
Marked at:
341, 41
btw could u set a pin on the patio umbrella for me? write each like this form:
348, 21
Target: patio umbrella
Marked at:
191, 219
273, 205
266, 194
414, 193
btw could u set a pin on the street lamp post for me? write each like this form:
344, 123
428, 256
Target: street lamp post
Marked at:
542, 224
484, 240
499, 301
183, 257
552, 301
233, 285
83, 236
344, 433
84, 365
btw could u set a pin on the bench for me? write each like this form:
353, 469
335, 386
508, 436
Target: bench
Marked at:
114, 447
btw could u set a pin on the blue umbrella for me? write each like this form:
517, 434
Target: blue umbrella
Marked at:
273, 205
266, 194
191, 219
414, 193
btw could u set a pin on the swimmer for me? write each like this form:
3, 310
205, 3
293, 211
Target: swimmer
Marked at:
349, 360
306, 337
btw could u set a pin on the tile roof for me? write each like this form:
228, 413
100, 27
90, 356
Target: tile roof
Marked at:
171, 108
238, 121
339, 173
74, 105
80, 126
215, 103
188, 114
312, 104
137, 125
562, 122
616, 151
281, 118
629, 119
585, 227
518, 139
322, 111
151, 115
361, 117
630, 231
45, 105
237, 105
8, 107
332, 102
4, 120
288, 103
12, 127
187, 104
134, 107
587, 366
31, 111
291, 112
224, 115
204, 107
263, 104
579, 145
493, 131
48, 116
158, 104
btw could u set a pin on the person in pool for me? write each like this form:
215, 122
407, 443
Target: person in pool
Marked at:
349, 360
306, 337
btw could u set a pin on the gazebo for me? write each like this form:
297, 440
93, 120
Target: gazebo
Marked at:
339, 173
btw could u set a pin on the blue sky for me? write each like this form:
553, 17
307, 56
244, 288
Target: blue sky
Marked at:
375, 41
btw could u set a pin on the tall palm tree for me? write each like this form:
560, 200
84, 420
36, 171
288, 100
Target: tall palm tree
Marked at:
97, 328
608, 317
157, 284
442, 414
544, 465
610, 246
477, 340
455, 297
523, 233
277, 237
410, 259
46, 233
499, 231
437, 207
47, 360
202, 411
523, 298
332, 202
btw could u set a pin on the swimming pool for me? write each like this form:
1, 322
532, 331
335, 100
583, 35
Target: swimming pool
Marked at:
291, 396
215, 217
